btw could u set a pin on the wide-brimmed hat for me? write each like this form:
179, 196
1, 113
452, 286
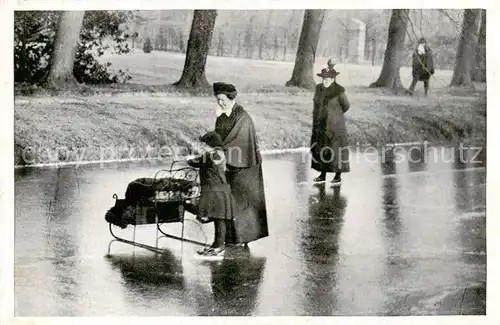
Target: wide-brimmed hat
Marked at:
211, 138
328, 73
224, 88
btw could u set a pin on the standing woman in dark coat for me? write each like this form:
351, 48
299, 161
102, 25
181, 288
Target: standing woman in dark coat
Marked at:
329, 145
244, 167
422, 65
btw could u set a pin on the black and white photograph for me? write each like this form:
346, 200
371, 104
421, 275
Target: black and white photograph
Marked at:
231, 161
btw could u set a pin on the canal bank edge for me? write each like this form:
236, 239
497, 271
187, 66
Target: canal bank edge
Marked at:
94, 130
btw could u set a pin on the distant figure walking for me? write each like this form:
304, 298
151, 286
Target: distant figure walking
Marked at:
329, 145
422, 66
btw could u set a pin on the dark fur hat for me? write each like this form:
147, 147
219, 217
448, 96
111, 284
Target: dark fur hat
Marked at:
212, 138
224, 88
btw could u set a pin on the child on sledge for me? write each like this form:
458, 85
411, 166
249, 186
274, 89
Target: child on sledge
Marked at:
215, 199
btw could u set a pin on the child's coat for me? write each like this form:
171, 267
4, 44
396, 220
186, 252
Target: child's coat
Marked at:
215, 199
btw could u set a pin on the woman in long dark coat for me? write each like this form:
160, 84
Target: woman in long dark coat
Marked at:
244, 167
329, 142
422, 65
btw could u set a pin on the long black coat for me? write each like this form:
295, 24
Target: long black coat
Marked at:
329, 141
244, 174
423, 65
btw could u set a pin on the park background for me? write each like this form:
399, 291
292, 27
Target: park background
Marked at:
121, 84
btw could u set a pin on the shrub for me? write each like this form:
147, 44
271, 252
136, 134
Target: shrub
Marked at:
34, 36
147, 47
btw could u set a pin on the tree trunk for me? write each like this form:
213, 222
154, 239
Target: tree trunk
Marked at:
248, 39
220, 45
65, 46
193, 75
285, 46
286, 37
238, 49
302, 75
479, 74
23, 58
374, 47
294, 38
464, 63
276, 46
389, 76
261, 46
265, 36
181, 41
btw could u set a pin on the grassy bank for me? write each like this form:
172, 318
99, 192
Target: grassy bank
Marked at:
109, 122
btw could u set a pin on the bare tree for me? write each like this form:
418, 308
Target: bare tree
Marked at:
181, 41
157, 30
231, 44
376, 22
193, 74
261, 45
479, 74
238, 48
276, 46
289, 39
389, 76
302, 75
344, 48
464, 63
294, 37
374, 49
172, 39
137, 21
63, 57
164, 39
249, 39
220, 45
285, 45
263, 36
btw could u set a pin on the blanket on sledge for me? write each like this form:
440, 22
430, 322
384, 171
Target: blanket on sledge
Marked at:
138, 206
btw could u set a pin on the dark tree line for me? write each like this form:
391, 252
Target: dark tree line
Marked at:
169, 39
274, 35
250, 42
470, 59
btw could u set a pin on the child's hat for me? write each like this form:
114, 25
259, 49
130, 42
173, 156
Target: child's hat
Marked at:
212, 138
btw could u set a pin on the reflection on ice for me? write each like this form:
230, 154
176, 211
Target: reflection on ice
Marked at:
391, 240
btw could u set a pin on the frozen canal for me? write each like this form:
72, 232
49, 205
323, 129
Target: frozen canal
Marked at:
397, 238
